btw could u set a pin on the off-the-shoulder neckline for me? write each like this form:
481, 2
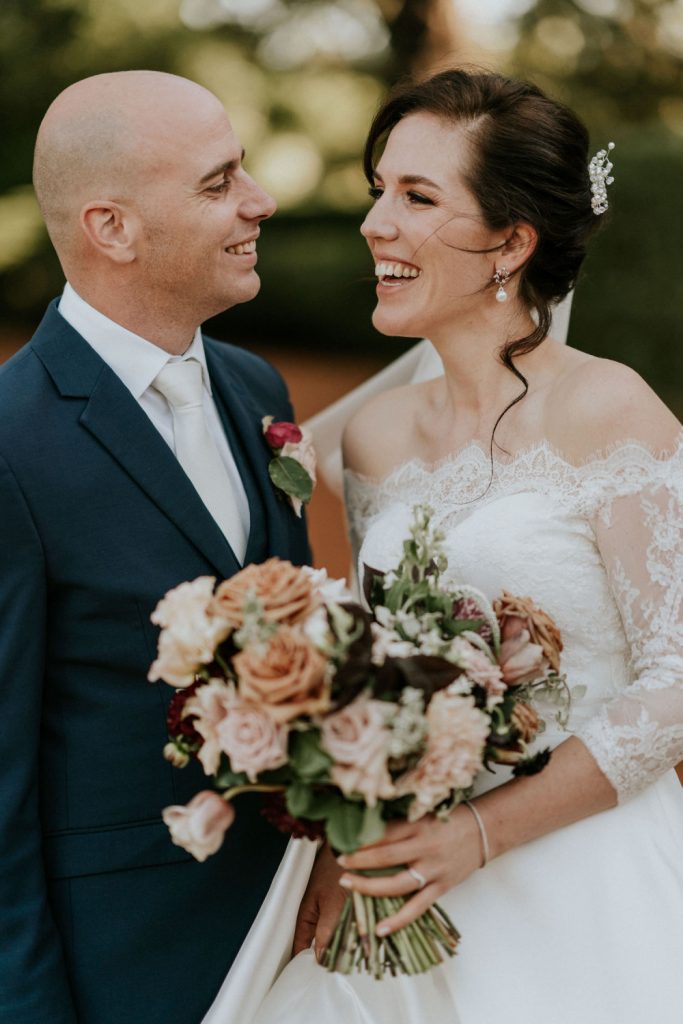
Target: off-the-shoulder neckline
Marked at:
474, 452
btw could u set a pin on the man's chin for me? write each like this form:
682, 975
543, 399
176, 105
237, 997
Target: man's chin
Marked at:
247, 291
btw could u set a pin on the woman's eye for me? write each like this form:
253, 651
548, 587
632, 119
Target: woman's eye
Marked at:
375, 192
417, 197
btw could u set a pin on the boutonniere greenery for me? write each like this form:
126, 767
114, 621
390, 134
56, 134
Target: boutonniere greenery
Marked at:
292, 469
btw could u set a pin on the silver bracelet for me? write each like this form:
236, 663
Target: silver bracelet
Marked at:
485, 848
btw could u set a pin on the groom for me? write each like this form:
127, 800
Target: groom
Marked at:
131, 459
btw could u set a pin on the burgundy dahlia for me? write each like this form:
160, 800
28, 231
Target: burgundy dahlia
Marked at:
175, 723
275, 812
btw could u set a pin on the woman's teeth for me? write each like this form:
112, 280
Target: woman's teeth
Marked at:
395, 270
239, 250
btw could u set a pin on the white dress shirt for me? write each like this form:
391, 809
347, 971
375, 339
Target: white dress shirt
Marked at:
136, 362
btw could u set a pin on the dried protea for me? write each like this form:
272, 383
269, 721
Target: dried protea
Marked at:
518, 613
525, 721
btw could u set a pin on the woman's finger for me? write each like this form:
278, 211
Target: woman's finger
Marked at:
410, 911
399, 884
394, 832
388, 856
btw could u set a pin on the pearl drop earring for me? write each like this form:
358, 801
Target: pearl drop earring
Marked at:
501, 277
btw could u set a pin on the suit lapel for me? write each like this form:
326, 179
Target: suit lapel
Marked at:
114, 417
269, 512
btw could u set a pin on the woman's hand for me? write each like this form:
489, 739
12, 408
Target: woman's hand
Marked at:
444, 853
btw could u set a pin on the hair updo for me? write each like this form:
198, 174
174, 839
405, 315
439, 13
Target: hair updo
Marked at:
528, 163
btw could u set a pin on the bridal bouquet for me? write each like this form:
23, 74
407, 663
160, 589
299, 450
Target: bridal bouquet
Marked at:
350, 718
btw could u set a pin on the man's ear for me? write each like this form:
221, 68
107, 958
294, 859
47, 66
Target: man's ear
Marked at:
519, 247
110, 229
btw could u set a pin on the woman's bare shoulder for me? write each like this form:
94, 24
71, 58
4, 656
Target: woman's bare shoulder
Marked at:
380, 431
599, 403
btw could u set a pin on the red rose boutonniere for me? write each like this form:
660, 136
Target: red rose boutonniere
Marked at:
292, 470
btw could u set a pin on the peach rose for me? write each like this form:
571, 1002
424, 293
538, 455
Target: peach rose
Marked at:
191, 629
517, 613
252, 740
520, 660
200, 827
285, 677
284, 590
357, 739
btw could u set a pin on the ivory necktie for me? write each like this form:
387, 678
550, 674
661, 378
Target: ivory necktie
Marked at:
181, 384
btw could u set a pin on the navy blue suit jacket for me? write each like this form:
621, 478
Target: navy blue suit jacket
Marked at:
102, 919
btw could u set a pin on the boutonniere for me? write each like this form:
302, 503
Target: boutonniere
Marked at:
292, 470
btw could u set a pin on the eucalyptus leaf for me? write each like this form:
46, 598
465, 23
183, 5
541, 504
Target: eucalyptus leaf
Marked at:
344, 827
308, 760
323, 805
298, 798
226, 778
291, 477
373, 826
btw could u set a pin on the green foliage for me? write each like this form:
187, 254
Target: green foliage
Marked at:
309, 762
290, 476
352, 825
619, 71
226, 778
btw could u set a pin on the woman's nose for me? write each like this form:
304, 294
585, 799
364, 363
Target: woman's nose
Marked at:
378, 224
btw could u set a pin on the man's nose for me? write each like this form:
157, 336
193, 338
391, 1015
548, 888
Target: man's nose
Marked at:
257, 204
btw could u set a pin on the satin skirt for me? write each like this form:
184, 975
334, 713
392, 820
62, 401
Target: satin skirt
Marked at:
583, 926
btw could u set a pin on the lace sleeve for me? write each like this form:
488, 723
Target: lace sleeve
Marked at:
639, 531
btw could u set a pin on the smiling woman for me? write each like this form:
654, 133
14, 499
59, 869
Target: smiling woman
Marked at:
483, 208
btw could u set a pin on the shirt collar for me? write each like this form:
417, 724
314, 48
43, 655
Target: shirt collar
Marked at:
134, 360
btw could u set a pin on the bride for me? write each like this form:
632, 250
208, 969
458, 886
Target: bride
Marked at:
551, 473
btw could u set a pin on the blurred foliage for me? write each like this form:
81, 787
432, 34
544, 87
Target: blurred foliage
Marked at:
301, 79
619, 59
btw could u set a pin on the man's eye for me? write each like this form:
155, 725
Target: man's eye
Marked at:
222, 186
375, 192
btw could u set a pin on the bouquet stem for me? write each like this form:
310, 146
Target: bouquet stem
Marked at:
414, 949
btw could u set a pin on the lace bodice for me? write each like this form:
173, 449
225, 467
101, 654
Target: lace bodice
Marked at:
599, 546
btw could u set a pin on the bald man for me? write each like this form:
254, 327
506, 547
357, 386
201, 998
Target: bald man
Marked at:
107, 502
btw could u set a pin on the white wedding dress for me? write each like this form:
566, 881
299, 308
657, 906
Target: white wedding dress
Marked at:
585, 925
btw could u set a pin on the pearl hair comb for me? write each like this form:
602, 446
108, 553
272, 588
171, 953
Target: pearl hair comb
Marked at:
599, 173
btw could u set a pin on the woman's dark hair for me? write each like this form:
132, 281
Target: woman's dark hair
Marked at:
528, 163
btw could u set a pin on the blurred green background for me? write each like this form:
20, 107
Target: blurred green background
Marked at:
301, 81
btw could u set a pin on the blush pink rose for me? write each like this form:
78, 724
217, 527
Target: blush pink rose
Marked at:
190, 632
252, 740
520, 660
210, 703
455, 746
357, 739
480, 669
200, 827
